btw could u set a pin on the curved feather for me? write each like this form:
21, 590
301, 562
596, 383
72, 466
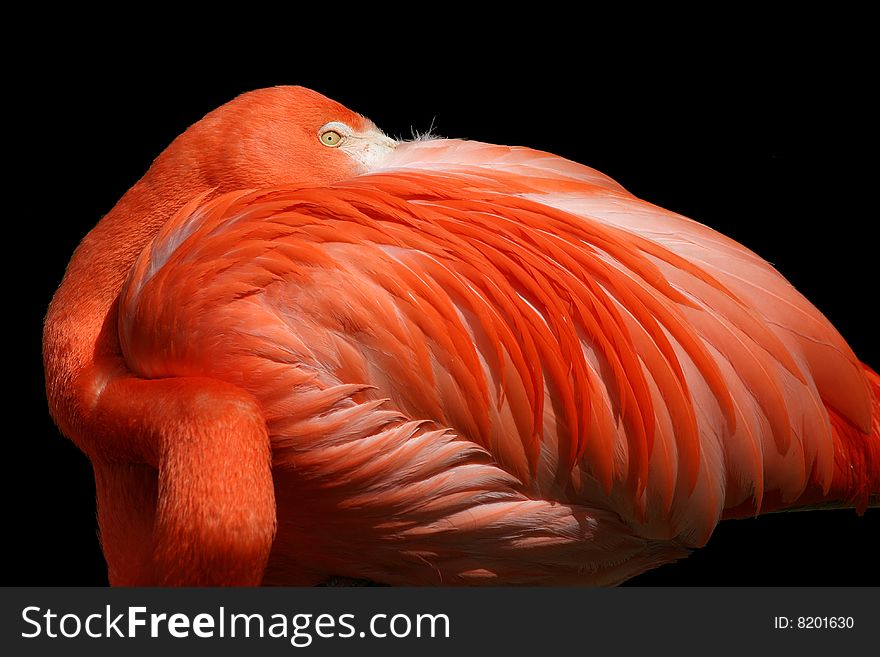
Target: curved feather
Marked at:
474, 329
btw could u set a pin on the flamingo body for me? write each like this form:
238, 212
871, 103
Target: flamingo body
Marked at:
445, 362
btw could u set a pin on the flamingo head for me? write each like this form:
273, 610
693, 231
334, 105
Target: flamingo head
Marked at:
278, 136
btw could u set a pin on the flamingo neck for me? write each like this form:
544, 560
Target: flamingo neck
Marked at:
80, 342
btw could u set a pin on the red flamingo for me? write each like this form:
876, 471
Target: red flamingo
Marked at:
297, 348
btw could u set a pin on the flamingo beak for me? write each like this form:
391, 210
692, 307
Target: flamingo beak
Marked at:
370, 148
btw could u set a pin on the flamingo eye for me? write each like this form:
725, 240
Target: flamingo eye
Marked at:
331, 138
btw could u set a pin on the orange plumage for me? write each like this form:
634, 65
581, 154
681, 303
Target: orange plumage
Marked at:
437, 362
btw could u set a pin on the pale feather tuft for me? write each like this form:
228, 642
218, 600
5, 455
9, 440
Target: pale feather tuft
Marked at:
428, 135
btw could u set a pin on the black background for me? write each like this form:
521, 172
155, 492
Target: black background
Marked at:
769, 141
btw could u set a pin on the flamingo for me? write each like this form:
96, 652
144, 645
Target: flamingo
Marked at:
297, 349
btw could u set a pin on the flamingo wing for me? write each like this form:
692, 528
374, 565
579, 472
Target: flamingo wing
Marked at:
498, 364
